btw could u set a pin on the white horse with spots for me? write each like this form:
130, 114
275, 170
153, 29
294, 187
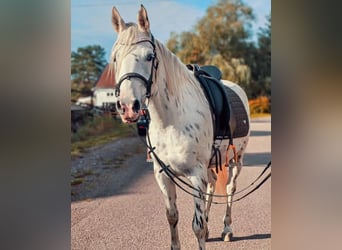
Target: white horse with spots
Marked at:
181, 128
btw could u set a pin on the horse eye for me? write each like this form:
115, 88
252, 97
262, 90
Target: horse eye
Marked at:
149, 57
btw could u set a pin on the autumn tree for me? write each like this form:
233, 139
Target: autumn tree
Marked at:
223, 38
219, 38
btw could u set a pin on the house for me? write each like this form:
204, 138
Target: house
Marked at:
104, 90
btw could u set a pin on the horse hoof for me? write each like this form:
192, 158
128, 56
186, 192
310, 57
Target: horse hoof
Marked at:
175, 248
227, 236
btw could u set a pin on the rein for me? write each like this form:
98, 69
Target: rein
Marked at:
175, 178
147, 82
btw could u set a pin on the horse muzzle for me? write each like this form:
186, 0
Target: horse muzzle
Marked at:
129, 113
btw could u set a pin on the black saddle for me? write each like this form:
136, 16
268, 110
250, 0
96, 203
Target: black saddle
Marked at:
230, 118
211, 70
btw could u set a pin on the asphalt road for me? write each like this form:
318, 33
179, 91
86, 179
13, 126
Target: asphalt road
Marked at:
119, 205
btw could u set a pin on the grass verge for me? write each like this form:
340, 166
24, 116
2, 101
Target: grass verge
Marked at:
97, 131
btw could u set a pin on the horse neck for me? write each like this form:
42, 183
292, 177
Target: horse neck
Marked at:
176, 95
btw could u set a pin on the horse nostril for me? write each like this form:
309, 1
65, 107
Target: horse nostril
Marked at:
136, 106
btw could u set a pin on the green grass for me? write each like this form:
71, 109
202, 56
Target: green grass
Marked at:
98, 131
77, 181
82, 174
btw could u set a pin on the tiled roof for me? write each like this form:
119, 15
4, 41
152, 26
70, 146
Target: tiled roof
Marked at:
107, 78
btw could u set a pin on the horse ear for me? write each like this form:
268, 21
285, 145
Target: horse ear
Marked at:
117, 21
143, 22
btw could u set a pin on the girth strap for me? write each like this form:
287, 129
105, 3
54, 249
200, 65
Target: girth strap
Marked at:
217, 155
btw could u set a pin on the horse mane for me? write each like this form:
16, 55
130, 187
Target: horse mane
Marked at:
176, 73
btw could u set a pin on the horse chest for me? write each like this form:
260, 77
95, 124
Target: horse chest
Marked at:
178, 149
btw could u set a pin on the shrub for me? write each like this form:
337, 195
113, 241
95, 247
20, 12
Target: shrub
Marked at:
260, 105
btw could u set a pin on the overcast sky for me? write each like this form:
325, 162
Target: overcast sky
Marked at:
91, 20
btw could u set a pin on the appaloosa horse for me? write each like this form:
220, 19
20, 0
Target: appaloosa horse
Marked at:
181, 130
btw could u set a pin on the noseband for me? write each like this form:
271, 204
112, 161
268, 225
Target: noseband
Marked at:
147, 82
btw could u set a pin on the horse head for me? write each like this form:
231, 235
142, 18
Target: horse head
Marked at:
135, 62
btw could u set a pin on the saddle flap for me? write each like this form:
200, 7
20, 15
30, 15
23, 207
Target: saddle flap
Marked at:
215, 94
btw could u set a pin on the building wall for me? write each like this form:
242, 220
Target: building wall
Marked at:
102, 96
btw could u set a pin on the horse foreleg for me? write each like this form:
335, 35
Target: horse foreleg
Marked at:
234, 172
209, 198
169, 194
199, 223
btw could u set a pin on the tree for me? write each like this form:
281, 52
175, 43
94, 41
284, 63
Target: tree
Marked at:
173, 42
219, 38
258, 58
264, 63
87, 65
225, 28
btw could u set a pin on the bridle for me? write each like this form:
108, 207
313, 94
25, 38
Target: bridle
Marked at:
147, 82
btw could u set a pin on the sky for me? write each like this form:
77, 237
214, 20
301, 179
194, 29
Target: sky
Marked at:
91, 20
